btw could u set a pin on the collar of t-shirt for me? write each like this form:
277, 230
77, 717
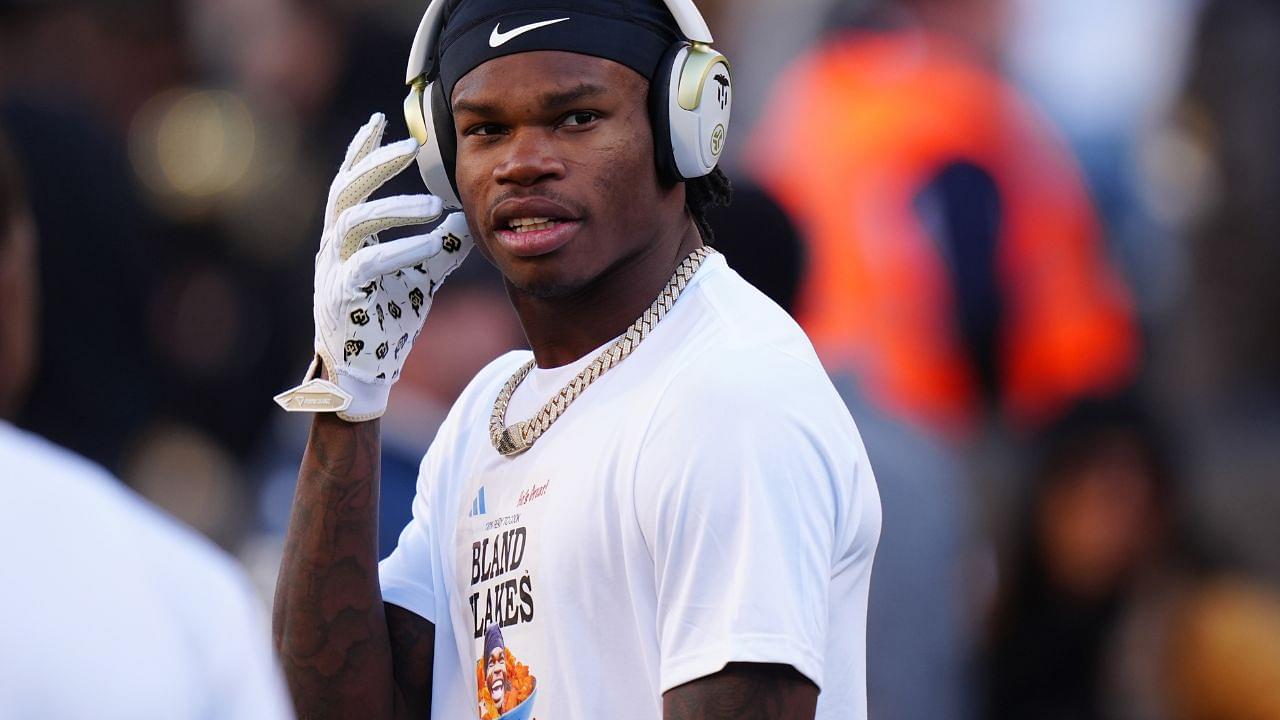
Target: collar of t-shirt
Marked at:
543, 383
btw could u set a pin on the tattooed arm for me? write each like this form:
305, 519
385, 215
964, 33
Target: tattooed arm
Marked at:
744, 691
344, 653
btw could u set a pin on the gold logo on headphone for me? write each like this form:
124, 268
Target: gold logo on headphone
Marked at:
717, 139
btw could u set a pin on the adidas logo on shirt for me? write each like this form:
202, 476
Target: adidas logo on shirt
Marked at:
477, 505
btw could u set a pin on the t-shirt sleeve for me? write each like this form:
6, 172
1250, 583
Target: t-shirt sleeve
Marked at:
408, 574
737, 497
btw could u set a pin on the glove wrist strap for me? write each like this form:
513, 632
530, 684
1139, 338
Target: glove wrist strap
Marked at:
351, 399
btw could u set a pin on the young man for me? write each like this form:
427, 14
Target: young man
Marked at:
110, 609
665, 507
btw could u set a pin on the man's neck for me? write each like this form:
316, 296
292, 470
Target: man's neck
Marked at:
563, 329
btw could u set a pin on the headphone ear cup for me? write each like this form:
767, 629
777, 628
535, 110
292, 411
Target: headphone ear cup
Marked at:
660, 114
699, 101
439, 145
438, 156
442, 119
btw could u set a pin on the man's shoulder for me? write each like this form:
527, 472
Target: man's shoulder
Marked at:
58, 491
726, 314
29, 457
740, 343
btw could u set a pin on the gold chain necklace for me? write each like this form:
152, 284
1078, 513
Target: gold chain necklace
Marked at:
519, 437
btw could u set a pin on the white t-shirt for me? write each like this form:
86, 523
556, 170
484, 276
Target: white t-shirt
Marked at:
706, 501
110, 609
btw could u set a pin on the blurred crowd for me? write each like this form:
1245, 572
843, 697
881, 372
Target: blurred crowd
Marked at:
1033, 241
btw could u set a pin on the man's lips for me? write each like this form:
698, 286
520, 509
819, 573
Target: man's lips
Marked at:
531, 243
532, 226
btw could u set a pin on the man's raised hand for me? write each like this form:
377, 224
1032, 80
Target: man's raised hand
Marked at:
371, 298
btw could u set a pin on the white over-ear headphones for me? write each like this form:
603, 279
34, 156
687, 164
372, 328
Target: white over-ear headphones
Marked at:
690, 101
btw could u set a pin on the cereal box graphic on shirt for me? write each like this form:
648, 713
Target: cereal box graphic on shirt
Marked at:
497, 567
505, 689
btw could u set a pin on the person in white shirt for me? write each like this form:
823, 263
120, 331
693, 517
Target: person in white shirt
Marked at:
664, 510
109, 609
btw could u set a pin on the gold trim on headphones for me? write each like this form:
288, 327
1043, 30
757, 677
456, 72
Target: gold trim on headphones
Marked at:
697, 67
414, 117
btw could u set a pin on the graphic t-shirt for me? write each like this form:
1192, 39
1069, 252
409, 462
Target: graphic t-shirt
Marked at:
706, 501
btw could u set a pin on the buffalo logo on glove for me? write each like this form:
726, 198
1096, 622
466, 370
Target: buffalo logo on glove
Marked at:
360, 316
369, 289
352, 347
380, 317
415, 299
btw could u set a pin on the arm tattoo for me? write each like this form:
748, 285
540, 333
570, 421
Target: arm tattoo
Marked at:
744, 691
329, 624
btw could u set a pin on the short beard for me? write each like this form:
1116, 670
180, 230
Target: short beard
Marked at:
549, 290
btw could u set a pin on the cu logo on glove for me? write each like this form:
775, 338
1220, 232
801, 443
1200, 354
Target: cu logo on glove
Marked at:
360, 316
415, 299
452, 243
352, 347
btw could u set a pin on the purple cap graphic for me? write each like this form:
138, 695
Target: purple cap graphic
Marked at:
493, 639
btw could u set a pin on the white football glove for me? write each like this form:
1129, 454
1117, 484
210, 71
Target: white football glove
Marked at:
371, 298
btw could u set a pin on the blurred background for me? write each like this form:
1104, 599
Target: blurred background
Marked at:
1035, 243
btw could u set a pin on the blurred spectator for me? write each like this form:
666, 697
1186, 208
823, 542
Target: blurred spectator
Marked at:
1219, 159
91, 387
1111, 610
957, 274
1230, 98
956, 259
121, 612
1107, 73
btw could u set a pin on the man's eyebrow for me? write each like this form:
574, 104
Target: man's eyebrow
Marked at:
476, 108
554, 99
572, 95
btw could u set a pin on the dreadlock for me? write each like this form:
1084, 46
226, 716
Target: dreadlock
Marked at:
701, 194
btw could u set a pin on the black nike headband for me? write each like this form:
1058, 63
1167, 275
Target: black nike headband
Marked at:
635, 33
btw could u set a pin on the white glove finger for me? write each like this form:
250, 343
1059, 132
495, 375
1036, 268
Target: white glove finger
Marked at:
373, 171
366, 139
388, 257
365, 219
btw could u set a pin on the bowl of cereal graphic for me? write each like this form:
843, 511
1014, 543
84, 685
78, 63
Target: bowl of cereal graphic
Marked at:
523, 711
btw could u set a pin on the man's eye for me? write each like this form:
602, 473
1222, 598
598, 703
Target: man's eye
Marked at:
484, 129
581, 117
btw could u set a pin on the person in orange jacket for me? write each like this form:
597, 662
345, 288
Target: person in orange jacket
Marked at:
956, 272
955, 256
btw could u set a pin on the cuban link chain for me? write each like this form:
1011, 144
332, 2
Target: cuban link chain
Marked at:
522, 435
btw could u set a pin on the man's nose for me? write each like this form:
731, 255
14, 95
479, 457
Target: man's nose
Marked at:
530, 160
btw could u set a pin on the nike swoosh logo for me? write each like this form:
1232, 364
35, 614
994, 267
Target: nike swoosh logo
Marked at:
497, 37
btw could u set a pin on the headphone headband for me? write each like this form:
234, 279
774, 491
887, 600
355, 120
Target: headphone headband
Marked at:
422, 56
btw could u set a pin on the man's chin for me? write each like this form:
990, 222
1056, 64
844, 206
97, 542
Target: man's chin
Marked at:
546, 285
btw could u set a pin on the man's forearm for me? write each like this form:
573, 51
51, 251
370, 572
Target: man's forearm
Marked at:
328, 622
